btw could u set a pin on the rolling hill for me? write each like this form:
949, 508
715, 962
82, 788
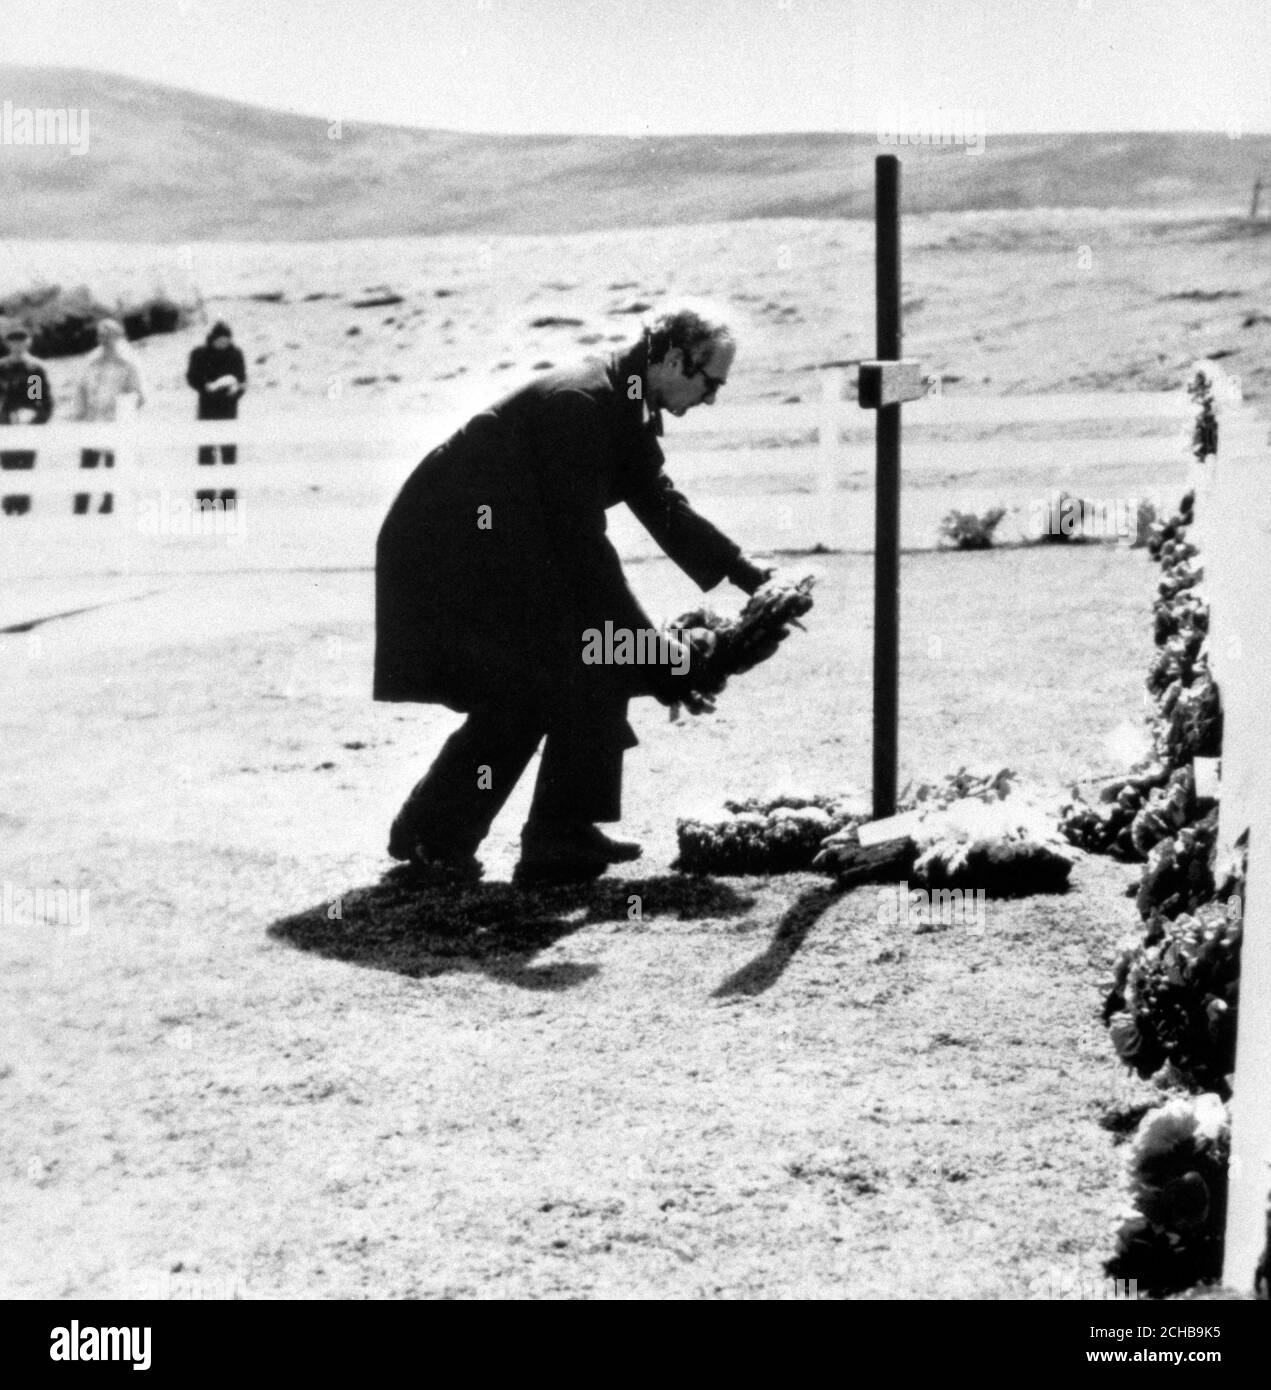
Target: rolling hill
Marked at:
164, 164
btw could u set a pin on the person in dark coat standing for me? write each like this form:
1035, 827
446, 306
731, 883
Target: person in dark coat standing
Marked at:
493, 566
25, 394
218, 373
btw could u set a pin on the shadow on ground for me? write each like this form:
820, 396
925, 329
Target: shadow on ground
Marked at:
418, 930
797, 921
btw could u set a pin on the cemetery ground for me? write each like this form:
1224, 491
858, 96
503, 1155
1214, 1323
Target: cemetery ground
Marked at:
260, 1066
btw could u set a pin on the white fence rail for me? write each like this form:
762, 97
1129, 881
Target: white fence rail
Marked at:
311, 487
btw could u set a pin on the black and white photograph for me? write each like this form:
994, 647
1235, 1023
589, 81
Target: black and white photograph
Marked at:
635, 652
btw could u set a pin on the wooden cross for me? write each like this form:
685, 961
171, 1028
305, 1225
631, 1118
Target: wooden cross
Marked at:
884, 385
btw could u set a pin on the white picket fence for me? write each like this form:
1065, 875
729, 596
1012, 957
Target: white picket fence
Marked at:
312, 486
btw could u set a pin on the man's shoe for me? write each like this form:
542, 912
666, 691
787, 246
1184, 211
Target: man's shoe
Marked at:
615, 851
398, 843
557, 853
429, 865
402, 836
406, 837
581, 837
563, 866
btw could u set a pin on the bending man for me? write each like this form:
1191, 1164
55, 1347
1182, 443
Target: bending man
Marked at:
493, 564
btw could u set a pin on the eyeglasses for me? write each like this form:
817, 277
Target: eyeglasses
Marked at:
713, 383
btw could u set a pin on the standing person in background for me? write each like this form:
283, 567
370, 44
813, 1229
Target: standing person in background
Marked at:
218, 373
25, 395
110, 373
25, 399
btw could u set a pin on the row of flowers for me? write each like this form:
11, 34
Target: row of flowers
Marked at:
1171, 1009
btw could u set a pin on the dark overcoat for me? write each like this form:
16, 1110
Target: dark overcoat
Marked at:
474, 605
18, 375
208, 364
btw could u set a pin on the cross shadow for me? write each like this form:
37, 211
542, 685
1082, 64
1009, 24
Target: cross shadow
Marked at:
797, 921
420, 930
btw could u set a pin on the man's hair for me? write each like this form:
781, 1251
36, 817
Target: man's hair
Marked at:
697, 332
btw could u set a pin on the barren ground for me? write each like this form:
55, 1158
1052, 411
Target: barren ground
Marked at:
262, 1066
997, 302
757, 1089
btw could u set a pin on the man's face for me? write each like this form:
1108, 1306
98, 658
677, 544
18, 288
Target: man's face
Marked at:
221, 341
679, 392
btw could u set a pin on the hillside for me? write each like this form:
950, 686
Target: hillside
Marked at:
169, 165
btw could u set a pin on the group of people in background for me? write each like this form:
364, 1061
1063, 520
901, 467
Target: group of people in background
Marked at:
110, 376
216, 371
110, 373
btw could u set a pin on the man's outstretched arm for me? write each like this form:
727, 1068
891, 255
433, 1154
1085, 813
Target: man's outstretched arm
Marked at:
700, 549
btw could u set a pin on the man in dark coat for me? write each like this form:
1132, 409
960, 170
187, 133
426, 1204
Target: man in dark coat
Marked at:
218, 373
493, 564
25, 393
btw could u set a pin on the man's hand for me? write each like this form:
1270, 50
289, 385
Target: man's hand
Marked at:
685, 660
702, 643
748, 576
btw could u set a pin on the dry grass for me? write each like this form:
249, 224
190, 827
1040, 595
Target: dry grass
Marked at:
755, 1089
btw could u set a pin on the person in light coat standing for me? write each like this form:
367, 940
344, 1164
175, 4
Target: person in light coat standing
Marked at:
111, 375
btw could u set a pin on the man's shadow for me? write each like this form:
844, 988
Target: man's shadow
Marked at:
419, 930
760, 974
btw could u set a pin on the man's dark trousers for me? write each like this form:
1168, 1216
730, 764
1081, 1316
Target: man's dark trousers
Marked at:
579, 778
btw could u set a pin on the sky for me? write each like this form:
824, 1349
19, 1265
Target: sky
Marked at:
685, 66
